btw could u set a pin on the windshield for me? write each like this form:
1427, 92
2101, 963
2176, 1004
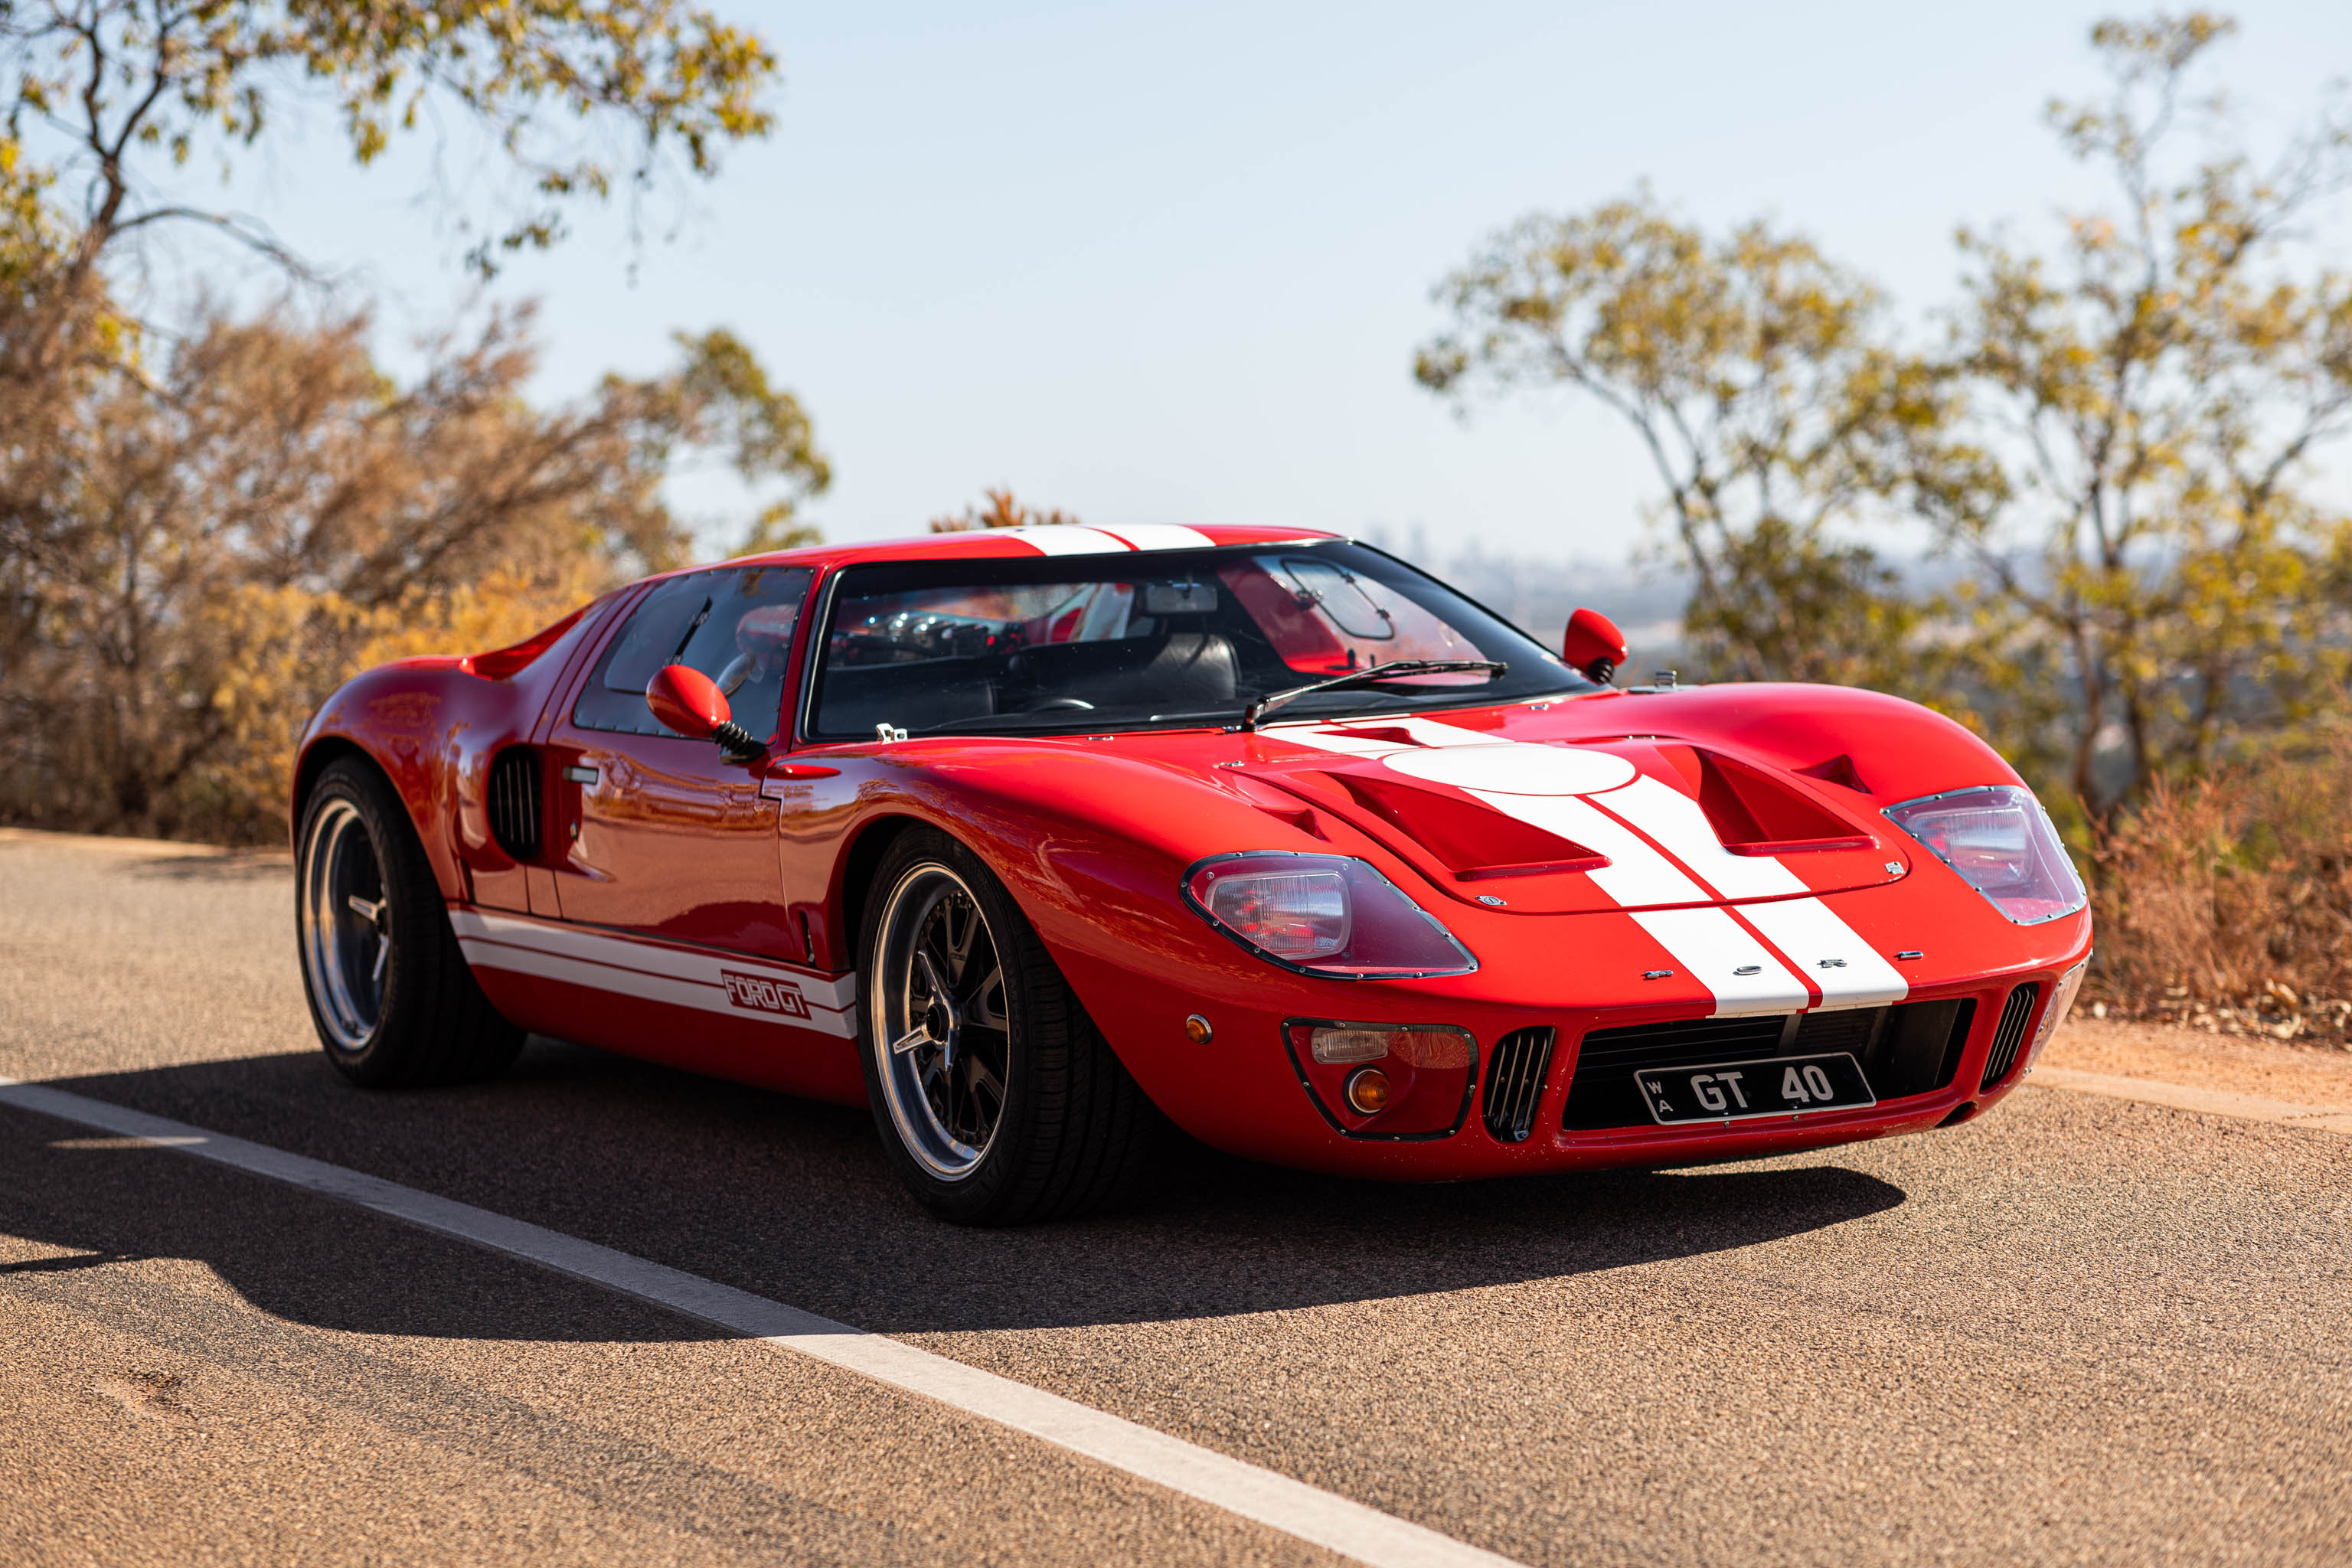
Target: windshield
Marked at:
1094, 642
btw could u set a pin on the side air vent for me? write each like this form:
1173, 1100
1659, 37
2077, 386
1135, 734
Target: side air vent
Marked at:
1515, 1082
2015, 1014
514, 802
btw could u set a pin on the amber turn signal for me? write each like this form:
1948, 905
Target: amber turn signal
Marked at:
1197, 1030
1368, 1090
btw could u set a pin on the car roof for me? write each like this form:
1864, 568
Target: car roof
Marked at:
1015, 544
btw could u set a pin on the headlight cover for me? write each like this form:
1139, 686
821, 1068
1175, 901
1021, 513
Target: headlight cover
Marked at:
2055, 1013
2000, 840
1322, 914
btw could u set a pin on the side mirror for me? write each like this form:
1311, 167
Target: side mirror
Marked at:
1593, 645
689, 703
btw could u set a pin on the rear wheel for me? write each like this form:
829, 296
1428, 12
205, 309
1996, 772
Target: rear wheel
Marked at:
390, 992
998, 1100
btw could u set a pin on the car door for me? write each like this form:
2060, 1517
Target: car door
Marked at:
668, 837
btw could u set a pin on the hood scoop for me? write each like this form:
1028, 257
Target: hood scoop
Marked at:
1467, 841
1754, 813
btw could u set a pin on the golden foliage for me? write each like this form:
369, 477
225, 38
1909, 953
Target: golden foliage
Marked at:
2233, 893
1002, 511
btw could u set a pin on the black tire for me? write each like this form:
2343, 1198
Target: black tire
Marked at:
1073, 1132
403, 1012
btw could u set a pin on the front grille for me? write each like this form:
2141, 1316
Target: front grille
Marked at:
1603, 1094
1515, 1082
2015, 1014
1913, 1047
514, 802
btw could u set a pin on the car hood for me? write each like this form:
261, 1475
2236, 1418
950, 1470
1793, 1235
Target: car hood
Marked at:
1617, 802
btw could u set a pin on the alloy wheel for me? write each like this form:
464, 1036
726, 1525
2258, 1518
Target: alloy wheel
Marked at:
942, 1038
346, 924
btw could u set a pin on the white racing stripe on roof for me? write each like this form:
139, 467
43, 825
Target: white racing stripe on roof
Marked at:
1275, 1501
1715, 948
1848, 970
1162, 536
1067, 539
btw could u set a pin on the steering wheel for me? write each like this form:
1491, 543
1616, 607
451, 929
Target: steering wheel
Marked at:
1050, 703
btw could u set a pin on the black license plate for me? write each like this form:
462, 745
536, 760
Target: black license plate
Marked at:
1734, 1091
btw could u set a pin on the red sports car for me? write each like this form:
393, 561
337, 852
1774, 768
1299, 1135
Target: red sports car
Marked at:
1029, 838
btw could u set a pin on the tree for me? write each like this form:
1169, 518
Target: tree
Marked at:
216, 552
1756, 373
2154, 573
1002, 511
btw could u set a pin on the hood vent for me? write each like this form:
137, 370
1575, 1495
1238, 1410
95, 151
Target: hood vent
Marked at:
1471, 840
1755, 814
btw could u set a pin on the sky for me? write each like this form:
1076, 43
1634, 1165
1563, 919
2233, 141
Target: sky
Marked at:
1164, 263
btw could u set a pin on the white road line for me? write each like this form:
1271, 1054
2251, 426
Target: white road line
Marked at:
1321, 1518
2205, 1101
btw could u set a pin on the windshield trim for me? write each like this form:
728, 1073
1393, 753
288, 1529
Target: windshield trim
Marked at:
1353, 700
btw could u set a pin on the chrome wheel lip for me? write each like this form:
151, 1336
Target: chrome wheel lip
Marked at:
899, 1031
344, 920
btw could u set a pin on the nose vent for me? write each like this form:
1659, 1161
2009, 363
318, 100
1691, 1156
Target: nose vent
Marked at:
2015, 1014
514, 802
1515, 1082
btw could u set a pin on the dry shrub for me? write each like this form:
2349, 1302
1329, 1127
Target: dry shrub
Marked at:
2226, 900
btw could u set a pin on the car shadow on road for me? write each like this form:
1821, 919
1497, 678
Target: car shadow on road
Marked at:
794, 1200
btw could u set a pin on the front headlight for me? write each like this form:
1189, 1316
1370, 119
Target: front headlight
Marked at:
2000, 840
1323, 914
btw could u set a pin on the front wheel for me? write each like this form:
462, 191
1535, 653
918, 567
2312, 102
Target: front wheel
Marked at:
393, 1000
998, 1100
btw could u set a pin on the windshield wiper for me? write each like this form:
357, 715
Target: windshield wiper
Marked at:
1394, 669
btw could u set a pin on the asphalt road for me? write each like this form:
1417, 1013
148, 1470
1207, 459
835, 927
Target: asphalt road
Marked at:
2078, 1330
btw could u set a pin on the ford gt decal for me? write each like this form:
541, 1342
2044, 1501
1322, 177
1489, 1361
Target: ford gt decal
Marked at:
733, 984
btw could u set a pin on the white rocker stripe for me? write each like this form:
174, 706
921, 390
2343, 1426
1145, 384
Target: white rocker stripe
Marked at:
679, 976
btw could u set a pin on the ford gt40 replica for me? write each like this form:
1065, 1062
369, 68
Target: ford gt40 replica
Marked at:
1032, 839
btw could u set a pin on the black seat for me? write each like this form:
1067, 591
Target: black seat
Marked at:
1187, 669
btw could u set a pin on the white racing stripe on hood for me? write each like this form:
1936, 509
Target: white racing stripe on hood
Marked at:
1848, 972
1636, 873
1675, 821
1710, 943
1326, 736
1715, 948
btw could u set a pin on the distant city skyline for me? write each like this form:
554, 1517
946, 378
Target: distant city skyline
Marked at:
1169, 264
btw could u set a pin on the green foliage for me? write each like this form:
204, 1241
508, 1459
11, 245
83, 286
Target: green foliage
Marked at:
580, 96
2157, 389
2116, 440
1754, 372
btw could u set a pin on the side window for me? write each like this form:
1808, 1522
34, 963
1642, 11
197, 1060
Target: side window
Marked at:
734, 625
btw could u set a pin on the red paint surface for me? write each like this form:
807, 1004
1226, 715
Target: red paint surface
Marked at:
1091, 834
